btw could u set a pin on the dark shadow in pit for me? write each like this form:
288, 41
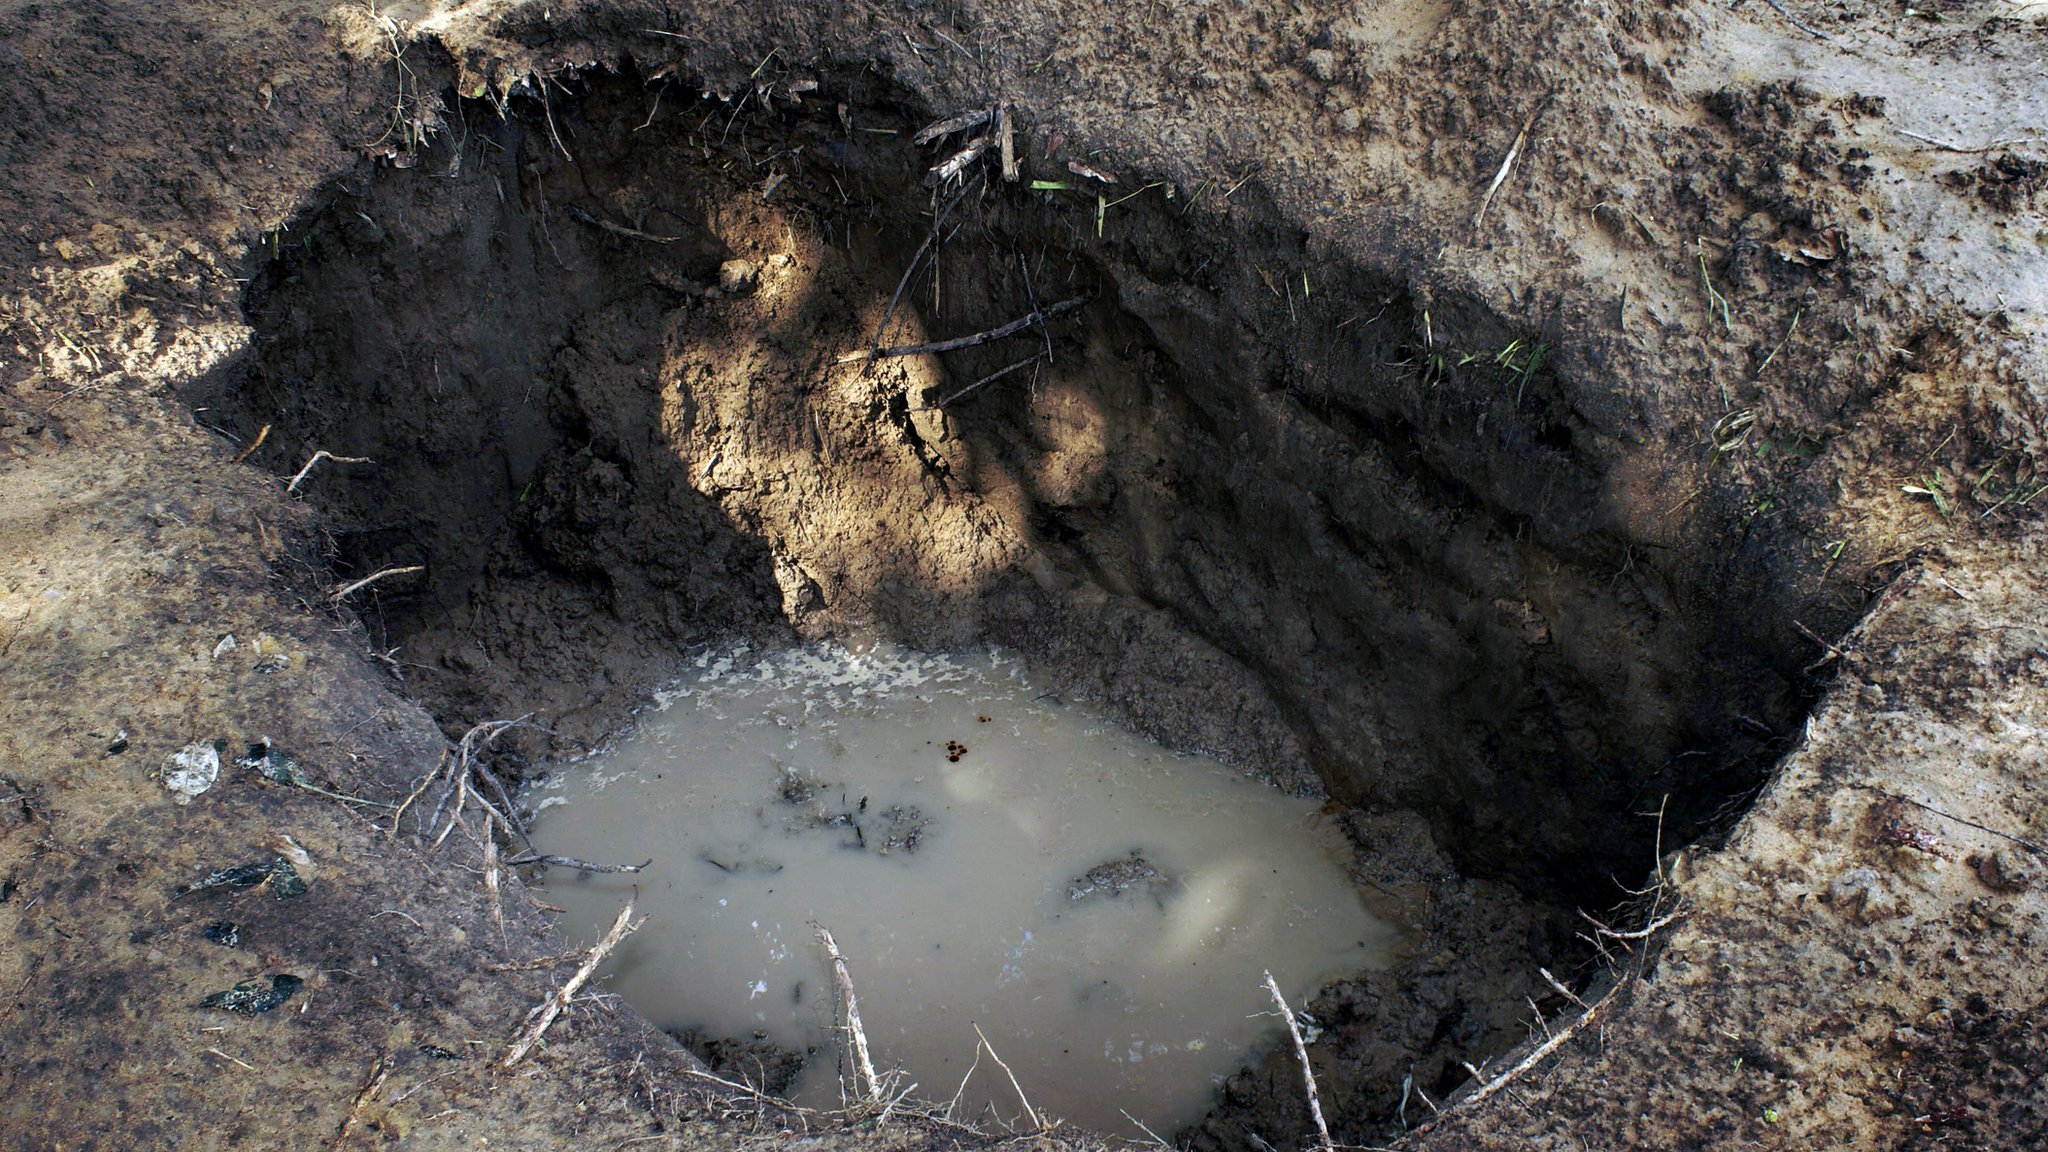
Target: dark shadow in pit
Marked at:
1254, 497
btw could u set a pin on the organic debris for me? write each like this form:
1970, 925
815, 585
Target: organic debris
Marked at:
1117, 877
280, 767
191, 770
904, 828
278, 872
255, 995
793, 788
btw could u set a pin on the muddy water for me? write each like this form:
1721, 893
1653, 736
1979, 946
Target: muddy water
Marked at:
983, 853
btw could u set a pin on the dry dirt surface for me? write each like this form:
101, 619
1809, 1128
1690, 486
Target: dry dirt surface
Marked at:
1598, 446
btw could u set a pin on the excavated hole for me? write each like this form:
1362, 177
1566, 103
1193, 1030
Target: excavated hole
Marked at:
1244, 502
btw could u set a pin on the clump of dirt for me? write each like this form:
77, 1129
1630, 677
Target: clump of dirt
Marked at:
751, 1061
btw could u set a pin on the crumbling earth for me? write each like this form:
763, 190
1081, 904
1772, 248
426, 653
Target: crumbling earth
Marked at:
1597, 446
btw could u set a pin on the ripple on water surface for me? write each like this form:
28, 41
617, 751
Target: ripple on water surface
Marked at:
1101, 907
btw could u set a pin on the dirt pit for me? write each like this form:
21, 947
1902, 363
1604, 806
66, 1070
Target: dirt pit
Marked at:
635, 368
1541, 459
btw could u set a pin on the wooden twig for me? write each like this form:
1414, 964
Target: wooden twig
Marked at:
1308, 1075
1559, 988
491, 883
572, 862
1508, 162
1829, 653
896, 297
979, 338
957, 163
619, 229
545, 1013
415, 794
974, 1064
1535, 1057
991, 378
317, 457
372, 578
1147, 1131
554, 961
869, 1085
1971, 150
950, 125
460, 763
378, 1073
2029, 845
1643, 933
1809, 29
1006, 136
262, 434
749, 1090
1030, 1113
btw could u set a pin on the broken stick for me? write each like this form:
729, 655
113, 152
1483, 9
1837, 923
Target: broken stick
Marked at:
979, 338
864, 1067
572, 862
317, 457
1030, 1113
262, 434
1508, 162
895, 298
372, 578
991, 378
544, 1015
1308, 1076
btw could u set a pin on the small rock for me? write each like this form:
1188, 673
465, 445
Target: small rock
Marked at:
1322, 64
2003, 871
1862, 892
254, 996
738, 277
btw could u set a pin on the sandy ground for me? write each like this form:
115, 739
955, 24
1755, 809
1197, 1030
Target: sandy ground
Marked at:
1771, 477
